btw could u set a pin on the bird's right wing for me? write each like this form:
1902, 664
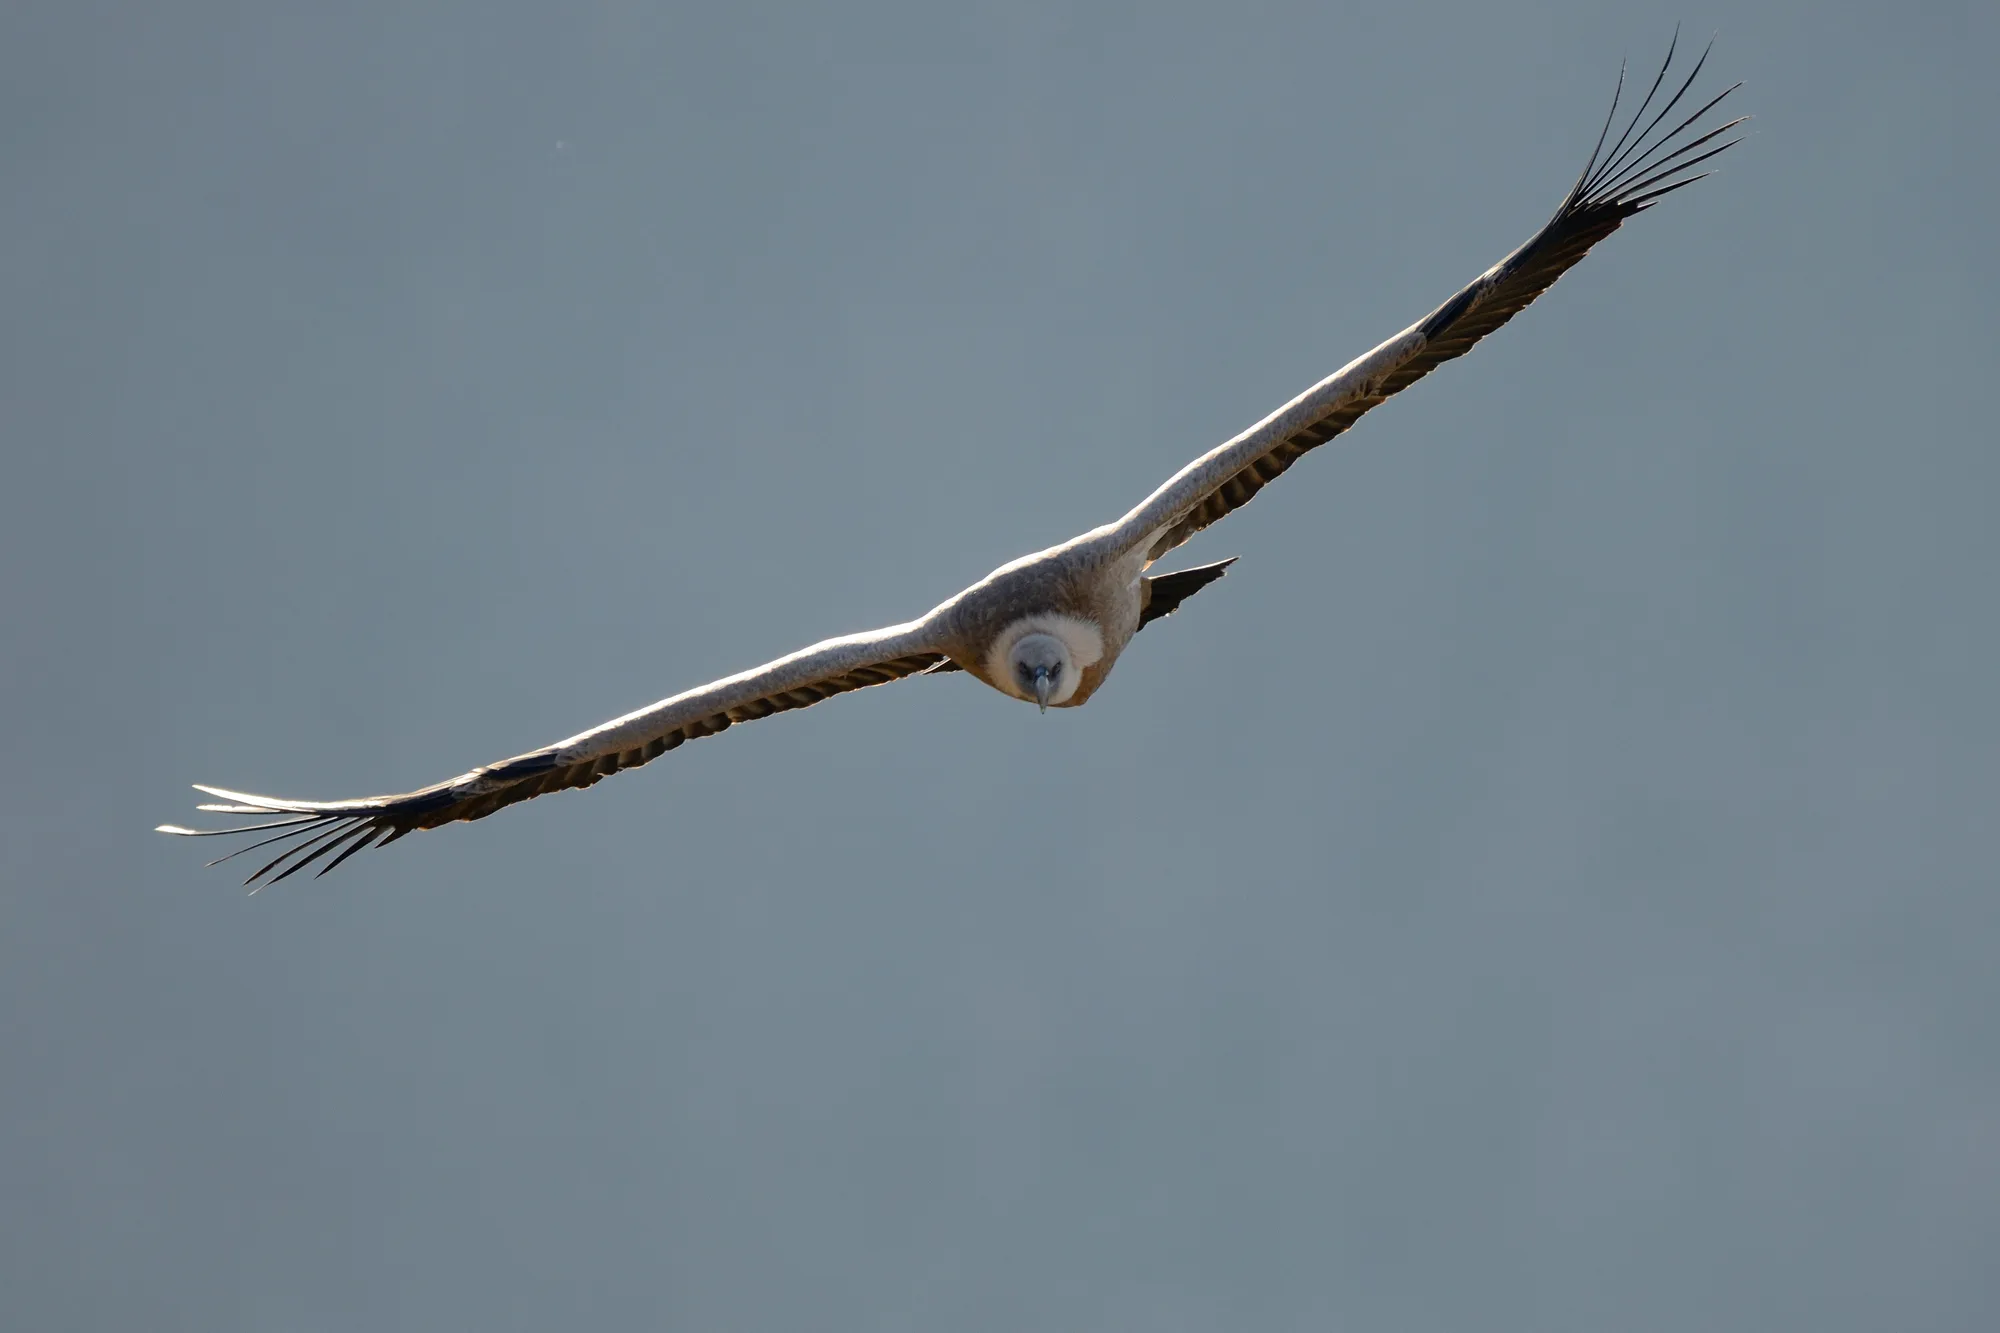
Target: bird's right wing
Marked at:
1639, 168
311, 830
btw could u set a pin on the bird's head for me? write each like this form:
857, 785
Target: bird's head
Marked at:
1040, 667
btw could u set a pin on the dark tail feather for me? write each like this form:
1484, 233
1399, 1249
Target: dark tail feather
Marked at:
1166, 592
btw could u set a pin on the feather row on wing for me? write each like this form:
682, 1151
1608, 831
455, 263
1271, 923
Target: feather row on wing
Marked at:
318, 830
1640, 168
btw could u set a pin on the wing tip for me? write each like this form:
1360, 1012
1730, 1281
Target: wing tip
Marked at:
242, 797
1612, 180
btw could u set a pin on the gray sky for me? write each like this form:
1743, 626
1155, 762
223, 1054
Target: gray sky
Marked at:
1549, 885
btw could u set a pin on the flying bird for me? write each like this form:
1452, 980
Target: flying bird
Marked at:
1046, 628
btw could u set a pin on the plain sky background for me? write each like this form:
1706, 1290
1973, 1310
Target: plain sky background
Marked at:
1550, 884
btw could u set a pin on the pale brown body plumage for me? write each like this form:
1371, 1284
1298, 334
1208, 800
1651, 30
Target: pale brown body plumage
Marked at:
1102, 589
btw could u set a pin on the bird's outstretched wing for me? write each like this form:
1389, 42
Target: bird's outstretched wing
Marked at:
332, 831
1643, 164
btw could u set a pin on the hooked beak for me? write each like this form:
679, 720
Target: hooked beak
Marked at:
1042, 687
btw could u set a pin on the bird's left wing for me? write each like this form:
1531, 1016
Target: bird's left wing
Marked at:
1644, 164
335, 830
